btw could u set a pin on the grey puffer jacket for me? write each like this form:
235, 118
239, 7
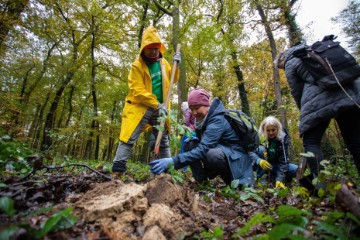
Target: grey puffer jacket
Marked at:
316, 104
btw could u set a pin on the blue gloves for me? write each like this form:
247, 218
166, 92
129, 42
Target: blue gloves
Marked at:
177, 57
193, 138
160, 165
162, 109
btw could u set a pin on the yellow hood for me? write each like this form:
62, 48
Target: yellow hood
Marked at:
151, 36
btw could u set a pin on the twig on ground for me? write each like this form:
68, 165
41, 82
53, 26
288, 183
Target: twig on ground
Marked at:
80, 165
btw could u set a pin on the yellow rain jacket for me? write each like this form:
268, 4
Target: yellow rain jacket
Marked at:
140, 96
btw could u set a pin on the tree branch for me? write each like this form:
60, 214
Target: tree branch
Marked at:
162, 8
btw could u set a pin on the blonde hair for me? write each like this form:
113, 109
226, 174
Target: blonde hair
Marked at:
271, 121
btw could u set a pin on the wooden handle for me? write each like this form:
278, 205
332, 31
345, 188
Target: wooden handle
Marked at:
166, 103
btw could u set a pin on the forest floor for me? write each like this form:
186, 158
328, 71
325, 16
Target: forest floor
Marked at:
158, 208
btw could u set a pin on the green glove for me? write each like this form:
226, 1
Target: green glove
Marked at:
265, 165
279, 184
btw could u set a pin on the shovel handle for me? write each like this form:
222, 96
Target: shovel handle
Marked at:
166, 104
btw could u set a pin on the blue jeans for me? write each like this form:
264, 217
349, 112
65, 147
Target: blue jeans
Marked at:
289, 174
349, 124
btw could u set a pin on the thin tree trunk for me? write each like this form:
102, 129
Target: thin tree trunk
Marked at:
50, 118
111, 140
37, 134
94, 131
234, 58
241, 86
72, 89
276, 75
34, 125
175, 14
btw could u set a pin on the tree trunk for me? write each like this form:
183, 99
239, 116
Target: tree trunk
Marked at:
241, 86
71, 94
294, 32
94, 131
181, 85
50, 118
276, 75
111, 140
231, 36
175, 14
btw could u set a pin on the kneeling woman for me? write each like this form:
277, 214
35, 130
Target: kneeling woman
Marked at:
272, 156
217, 151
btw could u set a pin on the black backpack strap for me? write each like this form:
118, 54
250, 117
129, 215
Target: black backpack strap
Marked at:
312, 54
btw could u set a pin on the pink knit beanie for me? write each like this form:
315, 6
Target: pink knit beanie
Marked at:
199, 97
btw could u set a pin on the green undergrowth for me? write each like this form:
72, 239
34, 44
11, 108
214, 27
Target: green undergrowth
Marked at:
58, 221
280, 221
288, 222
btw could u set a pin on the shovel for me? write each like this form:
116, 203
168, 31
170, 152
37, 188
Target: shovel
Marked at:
166, 104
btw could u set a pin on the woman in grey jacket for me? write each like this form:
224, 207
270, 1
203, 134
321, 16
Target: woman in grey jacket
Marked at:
318, 106
218, 151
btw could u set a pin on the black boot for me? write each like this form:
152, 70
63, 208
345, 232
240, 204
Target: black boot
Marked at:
118, 169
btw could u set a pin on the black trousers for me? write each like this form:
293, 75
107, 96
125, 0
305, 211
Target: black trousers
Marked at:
214, 164
349, 124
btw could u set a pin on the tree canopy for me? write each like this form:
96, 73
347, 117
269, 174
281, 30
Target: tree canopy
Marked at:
64, 64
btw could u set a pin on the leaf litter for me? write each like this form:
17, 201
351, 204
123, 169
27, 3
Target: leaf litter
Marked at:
153, 209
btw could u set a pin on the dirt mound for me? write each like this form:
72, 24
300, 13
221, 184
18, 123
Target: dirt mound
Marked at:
162, 190
156, 210
109, 199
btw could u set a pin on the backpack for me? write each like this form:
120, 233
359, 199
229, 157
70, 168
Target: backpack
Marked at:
244, 126
329, 63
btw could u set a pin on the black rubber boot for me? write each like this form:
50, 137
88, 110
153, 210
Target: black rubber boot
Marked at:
118, 169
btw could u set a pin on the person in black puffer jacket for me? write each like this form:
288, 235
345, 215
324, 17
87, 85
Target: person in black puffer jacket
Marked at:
318, 106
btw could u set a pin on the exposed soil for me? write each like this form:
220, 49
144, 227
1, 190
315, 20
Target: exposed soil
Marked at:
157, 209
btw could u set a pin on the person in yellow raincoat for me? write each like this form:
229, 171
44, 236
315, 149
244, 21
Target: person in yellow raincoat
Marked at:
149, 81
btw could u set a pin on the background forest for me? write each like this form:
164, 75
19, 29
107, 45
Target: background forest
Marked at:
64, 65
63, 80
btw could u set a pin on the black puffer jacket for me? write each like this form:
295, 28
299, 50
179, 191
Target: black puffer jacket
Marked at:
316, 104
